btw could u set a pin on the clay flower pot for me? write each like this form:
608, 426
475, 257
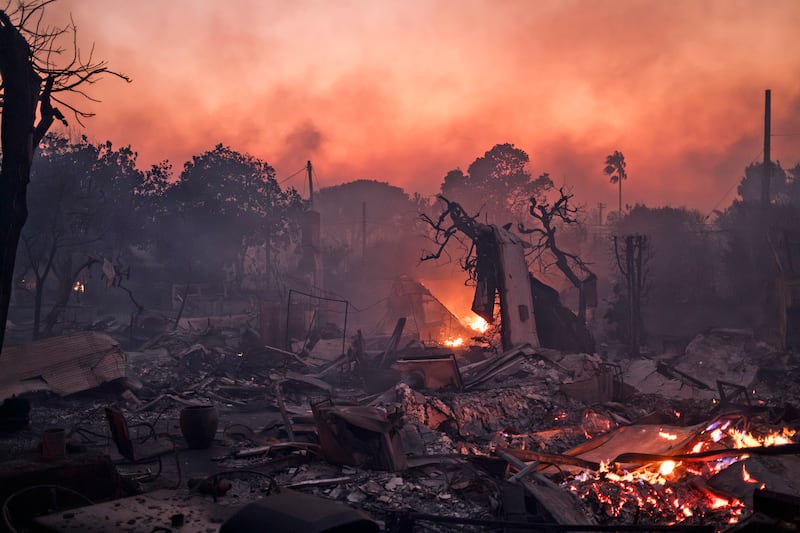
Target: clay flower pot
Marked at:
199, 425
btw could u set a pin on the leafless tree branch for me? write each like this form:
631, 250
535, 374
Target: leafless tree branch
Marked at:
61, 74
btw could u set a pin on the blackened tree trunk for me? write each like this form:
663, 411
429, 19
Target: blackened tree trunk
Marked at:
19, 135
547, 215
40, 274
24, 92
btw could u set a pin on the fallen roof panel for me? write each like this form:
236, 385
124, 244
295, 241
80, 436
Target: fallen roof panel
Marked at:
67, 364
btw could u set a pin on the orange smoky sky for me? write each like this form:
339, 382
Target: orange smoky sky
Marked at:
404, 91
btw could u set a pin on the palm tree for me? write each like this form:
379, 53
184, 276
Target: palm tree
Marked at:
615, 167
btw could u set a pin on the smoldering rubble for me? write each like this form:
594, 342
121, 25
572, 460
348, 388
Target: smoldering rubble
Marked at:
215, 423
452, 439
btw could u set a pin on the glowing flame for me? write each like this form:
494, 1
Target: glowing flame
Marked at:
717, 503
79, 287
666, 468
742, 439
454, 343
659, 490
477, 323
747, 477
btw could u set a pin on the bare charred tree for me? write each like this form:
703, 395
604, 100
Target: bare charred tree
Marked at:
556, 325
35, 73
66, 272
451, 221
548, 216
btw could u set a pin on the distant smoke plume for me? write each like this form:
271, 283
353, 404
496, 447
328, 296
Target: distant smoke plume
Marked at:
301, 144
305, 138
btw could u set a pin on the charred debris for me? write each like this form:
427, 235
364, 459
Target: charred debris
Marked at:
276, 419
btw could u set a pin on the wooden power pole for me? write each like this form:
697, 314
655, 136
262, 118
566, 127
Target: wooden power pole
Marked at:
310, 185
363, 229
766, 168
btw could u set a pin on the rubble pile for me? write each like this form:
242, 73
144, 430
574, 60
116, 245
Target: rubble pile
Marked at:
586, 439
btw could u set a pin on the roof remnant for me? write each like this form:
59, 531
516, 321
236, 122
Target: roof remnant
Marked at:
64, 365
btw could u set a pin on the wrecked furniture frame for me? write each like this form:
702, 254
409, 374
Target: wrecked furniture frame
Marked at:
144, 450
431, 372
361, 436
310, 327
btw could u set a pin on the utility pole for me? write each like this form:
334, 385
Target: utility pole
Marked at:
363, 229
310, 185
633, 272
766, 168
600, 207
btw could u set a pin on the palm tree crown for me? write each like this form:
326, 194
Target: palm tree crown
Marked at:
615, 167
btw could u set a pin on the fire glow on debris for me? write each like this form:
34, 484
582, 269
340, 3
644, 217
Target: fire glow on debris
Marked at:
666, 468
667, 491
477, 323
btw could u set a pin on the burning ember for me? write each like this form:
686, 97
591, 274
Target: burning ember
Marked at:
675, 491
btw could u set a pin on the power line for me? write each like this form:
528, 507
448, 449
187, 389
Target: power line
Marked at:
728, 192
316, 178
284, 180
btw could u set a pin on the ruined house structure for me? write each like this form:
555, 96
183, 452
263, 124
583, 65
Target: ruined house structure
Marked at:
370, 405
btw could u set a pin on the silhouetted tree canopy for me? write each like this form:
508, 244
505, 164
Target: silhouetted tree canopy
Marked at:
497, 184
682, 273
223, 202
86, 206
343, 203
757, 253
387, 207
369, 226
784, 184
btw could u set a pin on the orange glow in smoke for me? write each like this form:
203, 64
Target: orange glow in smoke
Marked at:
477, 323
454, 342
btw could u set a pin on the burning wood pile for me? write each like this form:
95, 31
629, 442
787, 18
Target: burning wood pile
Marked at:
680, 475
